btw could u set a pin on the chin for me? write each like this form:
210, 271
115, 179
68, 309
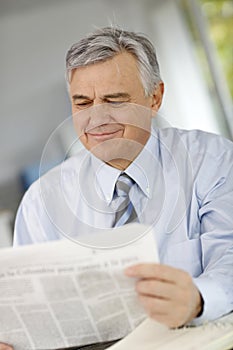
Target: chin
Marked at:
115, 150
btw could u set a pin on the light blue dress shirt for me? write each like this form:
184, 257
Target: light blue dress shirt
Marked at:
183, 189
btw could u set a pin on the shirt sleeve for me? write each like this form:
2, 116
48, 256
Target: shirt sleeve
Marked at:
216, 217
32, 224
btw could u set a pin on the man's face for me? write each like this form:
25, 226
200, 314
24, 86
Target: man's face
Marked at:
111, 114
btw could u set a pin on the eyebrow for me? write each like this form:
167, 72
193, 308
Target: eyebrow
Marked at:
80, 97
105, 97
117, 95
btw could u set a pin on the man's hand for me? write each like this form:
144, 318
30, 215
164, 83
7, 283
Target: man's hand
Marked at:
4, 346
168, 294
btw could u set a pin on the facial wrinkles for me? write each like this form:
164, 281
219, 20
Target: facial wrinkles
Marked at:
105, 129
103, 119
97, 120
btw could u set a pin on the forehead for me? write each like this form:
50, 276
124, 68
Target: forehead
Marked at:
121, 71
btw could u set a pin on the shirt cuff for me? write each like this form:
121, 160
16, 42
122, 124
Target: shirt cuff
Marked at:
215, 300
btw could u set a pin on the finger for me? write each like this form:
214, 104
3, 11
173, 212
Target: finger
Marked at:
4, 346
169, 320
156, 271
155, 306
163, 311
158, 289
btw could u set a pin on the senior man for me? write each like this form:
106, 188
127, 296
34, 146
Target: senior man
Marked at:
178, 182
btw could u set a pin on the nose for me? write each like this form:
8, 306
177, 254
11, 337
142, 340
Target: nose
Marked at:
99, 114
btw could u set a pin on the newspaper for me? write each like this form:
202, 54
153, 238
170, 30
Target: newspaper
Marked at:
151, 335
61, 294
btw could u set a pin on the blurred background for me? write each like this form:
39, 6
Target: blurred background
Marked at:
194, 43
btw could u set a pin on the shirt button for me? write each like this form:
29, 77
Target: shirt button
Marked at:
148, 190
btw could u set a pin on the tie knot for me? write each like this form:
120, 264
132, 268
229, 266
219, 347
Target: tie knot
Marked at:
123, 185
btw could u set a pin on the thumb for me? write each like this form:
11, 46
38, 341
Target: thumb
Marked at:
4, 346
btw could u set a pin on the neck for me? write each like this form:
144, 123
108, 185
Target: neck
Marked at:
120, 164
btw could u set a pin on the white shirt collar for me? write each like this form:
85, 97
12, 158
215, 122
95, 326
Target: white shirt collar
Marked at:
140, 170
105, 178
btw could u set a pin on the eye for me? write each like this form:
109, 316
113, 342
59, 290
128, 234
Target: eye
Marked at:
117, 103
83, 104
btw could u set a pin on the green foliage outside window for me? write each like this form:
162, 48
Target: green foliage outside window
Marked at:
219, 14
219, 17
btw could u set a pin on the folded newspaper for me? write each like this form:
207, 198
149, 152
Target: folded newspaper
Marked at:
62, 294
151, 335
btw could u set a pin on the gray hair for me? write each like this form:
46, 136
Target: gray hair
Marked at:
107, 42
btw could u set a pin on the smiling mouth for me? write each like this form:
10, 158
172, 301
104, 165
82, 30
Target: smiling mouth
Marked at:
105, 135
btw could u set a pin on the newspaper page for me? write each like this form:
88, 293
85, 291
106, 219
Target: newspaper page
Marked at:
151, 335
61, 294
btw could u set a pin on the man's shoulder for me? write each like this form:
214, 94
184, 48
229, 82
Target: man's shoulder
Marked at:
195, 140
64, 173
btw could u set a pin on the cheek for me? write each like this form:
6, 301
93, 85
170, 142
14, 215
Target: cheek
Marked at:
80, 121
88, 142
84, 141
137, 134
134, 116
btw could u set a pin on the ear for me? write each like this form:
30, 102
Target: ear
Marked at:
157, 96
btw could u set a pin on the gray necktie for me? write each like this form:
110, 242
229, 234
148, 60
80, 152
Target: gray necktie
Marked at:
125, 212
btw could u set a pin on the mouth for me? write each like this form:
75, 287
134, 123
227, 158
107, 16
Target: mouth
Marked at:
105, 135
